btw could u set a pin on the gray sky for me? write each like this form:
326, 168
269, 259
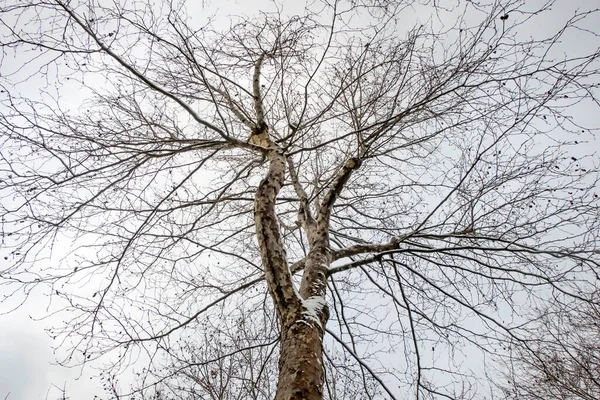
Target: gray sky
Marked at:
26, 362
24, 359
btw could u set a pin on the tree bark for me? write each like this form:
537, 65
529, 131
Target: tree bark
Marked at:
301, 374
302, 314
301, 362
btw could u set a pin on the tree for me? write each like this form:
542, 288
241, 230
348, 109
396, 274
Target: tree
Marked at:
562, 359
368, 199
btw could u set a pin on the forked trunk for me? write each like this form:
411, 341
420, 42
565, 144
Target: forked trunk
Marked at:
302, 314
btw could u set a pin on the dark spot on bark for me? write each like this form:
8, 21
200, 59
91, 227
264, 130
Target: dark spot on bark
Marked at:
260, 128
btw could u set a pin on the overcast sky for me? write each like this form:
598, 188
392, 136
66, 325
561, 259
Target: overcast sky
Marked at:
26, 370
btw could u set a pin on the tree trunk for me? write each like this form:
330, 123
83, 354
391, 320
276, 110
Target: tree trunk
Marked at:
302, 314
301, 374
300, 362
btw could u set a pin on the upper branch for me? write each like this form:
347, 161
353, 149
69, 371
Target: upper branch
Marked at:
304, 214
258, 105
276, 269
148, 82
339, 182
277, 272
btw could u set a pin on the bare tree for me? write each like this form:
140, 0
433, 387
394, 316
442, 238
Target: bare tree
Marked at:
562, 359
350, 195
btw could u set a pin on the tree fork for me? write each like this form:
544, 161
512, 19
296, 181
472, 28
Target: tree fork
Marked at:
302, 319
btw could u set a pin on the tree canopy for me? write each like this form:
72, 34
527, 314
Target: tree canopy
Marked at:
323, 199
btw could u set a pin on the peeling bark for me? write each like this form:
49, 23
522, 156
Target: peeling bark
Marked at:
301, 373
301, 361
301, 352
302, 314
277, 274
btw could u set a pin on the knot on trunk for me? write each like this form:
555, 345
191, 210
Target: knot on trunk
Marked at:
260, 135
